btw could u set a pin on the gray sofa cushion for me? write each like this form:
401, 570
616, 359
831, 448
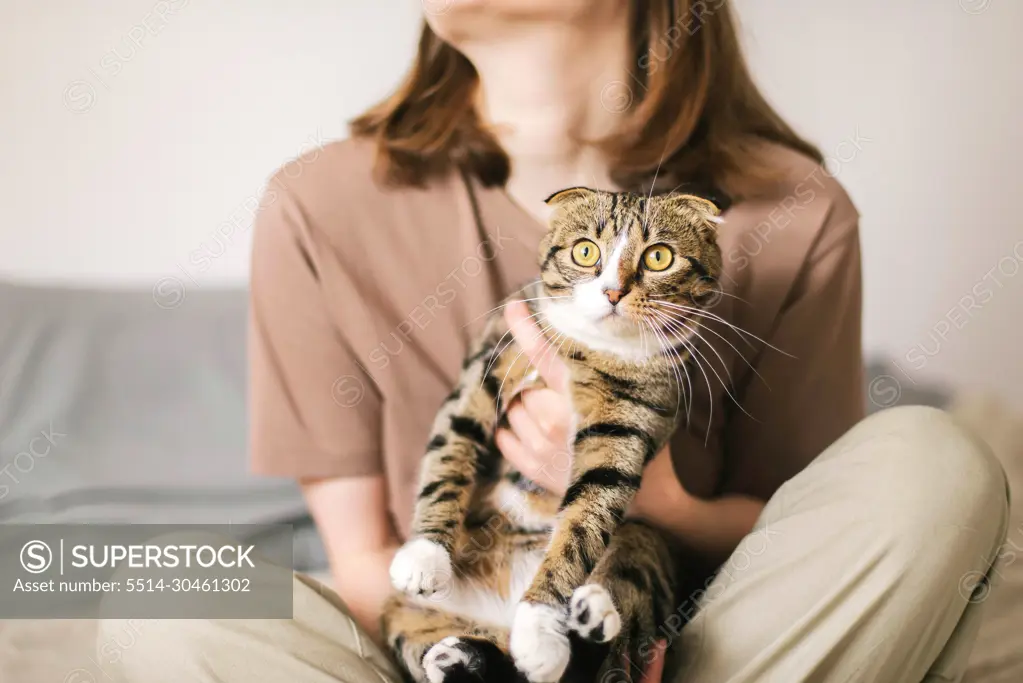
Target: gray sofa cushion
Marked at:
115, 409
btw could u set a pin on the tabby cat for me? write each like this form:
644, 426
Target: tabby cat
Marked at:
502, 580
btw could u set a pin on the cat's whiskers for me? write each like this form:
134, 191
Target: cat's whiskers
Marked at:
605, 206
713, 316
719, 291
708, 328
666, 194
497, 354
734, 296
509, 303
689, 395
676, 330
691, 331
696, 333
681, 363
571, 345
691, 348
667, 348
511, 367
699, 365
642, 340
548, 347
653, 183
702, 313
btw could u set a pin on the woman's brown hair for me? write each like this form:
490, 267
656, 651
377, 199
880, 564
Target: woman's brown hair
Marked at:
692, 109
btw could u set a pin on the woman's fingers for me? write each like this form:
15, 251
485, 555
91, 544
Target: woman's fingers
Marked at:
526, 428
535, 346
538, 450
540, 419
552, 413
654, 669
515, 451
541, 471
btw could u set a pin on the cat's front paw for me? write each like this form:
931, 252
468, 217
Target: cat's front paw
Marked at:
538, 642
592, 614
421, 567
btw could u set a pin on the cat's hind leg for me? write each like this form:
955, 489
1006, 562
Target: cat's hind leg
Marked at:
607, 462
630, 595
435, 646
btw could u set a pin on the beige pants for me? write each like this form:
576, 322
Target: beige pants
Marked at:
867, 566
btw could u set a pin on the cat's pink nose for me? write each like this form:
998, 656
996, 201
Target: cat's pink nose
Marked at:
613, 295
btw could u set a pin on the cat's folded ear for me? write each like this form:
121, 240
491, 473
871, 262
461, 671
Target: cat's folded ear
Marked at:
569, 194
708, 209
697, 202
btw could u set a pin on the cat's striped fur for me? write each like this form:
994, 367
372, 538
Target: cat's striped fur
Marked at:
502, 580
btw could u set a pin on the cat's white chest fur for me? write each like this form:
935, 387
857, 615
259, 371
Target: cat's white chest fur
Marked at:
469, 598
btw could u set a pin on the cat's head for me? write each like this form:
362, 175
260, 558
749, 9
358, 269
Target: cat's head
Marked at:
628, 273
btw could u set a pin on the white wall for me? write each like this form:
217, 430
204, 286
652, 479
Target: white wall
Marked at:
119, 161
937, 87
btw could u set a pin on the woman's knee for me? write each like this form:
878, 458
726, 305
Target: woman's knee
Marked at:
320, 643
151, 649
930, 472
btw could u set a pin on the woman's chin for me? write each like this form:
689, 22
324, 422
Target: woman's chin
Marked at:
468, 21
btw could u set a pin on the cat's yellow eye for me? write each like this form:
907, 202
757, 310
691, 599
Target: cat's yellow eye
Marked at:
585, 253
658, 257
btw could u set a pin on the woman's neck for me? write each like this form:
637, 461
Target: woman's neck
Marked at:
546, 91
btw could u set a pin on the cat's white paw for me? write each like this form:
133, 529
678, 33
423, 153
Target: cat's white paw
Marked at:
445, 656
592, 614
421, 567
538, 642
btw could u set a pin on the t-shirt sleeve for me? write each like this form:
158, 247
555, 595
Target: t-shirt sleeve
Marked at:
807, 399
313, 412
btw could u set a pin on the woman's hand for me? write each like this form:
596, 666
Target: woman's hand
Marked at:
537, 441
540, 419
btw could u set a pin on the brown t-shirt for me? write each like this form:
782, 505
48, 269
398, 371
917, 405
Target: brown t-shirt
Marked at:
364, 299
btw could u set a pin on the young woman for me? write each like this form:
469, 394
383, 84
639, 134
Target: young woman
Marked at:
847, 548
